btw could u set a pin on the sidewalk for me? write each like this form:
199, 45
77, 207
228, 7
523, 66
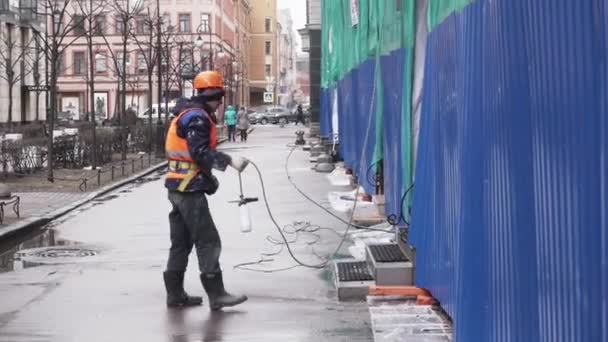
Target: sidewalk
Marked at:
40, 207
98, 277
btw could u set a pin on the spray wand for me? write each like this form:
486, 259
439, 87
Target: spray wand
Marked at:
243, 208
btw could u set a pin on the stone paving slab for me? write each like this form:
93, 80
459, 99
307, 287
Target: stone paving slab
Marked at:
42, 203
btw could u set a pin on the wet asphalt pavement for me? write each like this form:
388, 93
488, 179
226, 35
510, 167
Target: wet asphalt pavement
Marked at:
98, 275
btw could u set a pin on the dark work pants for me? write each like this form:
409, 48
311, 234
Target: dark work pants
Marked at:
231, 132
243, 134
191, 225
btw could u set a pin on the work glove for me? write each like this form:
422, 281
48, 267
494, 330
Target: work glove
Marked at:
239, 163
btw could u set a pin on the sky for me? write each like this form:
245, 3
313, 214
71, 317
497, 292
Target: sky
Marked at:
298, 11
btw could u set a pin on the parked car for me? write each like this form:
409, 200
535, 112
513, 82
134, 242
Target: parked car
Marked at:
145, 114
278, 113
270, 114
257, 115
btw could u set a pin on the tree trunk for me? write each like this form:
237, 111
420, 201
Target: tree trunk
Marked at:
10, 74
150, 127
10, 103
92, 102
123, 101
37, 103
123, 107
52, 112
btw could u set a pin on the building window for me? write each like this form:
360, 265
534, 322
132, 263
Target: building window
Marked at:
101, 63
268, 24
187, 57
268, 70
142, 26
80, 64
205, 19
79, 29
60, 65
184, 23
163, 62
268, 48
141, 62
120, 25
120, 56
100, 25
28, 9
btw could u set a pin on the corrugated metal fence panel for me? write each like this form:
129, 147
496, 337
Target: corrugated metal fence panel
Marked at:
365, 123
393, 90
510, 208
355, 92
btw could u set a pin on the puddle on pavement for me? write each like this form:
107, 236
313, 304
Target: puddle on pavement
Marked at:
40, 248
150, 178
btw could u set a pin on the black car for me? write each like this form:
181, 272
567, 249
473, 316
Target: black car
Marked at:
270, 114
276, 114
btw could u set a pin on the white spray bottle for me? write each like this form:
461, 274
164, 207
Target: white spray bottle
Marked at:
244, 213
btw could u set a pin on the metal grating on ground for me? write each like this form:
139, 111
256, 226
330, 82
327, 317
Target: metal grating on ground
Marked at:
387, 253
354, 271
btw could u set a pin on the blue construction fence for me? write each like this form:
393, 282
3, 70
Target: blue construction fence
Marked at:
510, 205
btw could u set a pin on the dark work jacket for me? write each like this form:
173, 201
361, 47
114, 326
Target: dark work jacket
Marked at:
196, 128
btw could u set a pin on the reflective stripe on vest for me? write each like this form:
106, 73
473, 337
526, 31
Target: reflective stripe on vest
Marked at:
176, 149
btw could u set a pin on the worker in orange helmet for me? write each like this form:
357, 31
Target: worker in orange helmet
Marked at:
191, 150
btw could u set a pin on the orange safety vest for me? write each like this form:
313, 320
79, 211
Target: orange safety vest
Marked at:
181, 164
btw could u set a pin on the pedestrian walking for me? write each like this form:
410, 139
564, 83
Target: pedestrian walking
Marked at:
243, 124
299, 115
191, 150
230, 120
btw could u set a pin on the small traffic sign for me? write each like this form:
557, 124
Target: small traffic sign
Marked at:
268, 97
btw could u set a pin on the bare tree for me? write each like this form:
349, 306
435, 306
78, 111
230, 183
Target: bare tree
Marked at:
90, 11
168, 69
125, 11
177, 56
14, 53
61, 34
145, 41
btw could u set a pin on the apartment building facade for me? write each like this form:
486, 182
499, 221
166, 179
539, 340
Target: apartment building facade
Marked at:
22, 68
263, 63
287, 49
198, 35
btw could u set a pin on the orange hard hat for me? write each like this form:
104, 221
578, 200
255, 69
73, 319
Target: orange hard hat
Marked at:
208, 79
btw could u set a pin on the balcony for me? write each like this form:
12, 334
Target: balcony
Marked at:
8, 10
28, 11
22, 12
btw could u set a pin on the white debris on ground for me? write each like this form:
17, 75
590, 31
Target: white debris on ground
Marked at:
400, 319
361, 238
338, 177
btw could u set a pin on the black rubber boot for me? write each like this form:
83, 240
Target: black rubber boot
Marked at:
176, 296
218, 297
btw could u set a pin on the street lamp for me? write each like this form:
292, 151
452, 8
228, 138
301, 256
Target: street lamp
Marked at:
57, 21
199, 42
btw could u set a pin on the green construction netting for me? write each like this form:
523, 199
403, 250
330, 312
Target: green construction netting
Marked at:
439, 10
383, 27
